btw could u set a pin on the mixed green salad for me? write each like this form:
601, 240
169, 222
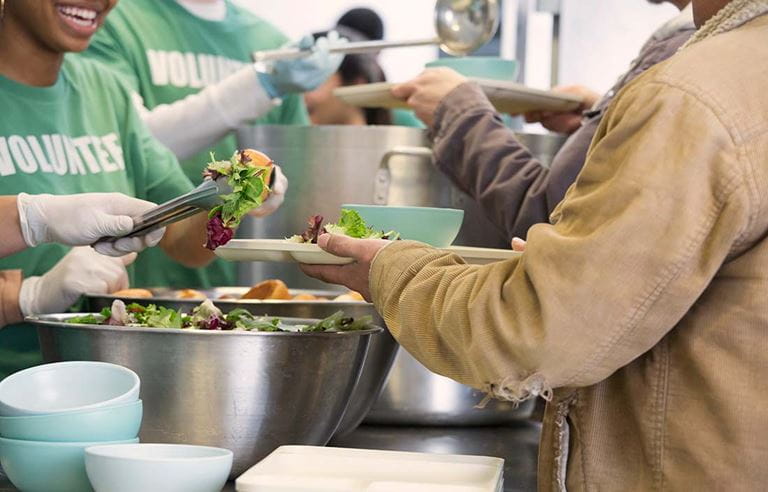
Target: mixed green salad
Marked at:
247, 173
350, 224
207, 316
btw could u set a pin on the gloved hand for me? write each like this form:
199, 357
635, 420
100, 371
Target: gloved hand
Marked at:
304, 74
81, 271
80, 220
276, 195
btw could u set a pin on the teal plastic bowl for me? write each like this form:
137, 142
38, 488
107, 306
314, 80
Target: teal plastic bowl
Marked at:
481, 67
115, 423
437, 227
64, 387
34, 466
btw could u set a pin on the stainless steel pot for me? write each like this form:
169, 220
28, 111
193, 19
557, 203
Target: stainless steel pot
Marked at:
326, 166
247, 392
378, 362
331, 165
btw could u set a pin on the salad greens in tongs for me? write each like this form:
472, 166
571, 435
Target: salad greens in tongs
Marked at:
247, 173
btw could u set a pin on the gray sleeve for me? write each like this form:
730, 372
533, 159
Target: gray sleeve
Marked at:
484, 159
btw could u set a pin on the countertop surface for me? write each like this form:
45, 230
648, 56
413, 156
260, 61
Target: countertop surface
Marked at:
517, 444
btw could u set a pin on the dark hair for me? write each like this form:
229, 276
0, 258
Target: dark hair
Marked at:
365, 67
365, 21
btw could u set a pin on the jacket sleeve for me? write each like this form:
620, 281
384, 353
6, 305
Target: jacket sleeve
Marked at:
483, 158
10, 285
655, 212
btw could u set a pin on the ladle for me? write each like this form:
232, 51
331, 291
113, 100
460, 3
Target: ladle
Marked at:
462, 27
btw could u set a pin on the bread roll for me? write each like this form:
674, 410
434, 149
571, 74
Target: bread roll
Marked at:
350, 296
133, 293
190, 294
269, 289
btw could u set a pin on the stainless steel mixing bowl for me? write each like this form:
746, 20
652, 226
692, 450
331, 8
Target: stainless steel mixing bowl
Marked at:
243, 391
381, 351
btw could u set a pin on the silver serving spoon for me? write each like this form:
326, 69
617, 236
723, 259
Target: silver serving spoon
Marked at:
462, 27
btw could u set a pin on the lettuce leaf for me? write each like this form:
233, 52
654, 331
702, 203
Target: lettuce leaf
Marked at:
247, 183
248, 186
207, 316
350, 224
92, 319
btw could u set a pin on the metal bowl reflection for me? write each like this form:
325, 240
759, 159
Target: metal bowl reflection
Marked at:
242, 391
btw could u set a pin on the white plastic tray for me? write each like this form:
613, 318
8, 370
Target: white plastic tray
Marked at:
280, 250
506, 97
310, 469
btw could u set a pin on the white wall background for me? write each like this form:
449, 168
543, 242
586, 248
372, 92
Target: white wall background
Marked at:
599, 38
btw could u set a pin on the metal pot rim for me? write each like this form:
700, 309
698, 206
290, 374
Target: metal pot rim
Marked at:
50, 321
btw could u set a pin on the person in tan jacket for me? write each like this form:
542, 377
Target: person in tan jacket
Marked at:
641, 312
75, 220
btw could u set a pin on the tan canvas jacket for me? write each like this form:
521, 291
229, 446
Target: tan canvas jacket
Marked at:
644, 307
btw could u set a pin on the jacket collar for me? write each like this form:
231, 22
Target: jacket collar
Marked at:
735, 14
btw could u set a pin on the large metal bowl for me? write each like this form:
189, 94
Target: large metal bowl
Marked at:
243, 391
381, 351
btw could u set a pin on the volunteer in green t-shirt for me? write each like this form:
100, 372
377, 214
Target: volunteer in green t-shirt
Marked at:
68, 127
189, 62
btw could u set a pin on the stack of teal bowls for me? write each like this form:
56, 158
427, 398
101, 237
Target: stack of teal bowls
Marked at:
50, 414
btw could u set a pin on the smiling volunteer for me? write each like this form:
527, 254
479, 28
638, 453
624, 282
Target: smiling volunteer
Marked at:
189, 63
69, 126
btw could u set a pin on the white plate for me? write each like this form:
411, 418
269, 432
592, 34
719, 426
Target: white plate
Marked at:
507, 97
282, 251
277, 250
309, 468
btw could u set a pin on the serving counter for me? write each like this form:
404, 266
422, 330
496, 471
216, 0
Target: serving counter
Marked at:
517, 444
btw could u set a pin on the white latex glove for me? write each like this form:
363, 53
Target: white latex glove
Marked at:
81, 271
304, 74
84, 219
276, 196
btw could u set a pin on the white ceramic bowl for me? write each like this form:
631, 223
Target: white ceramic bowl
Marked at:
66, 387
157, 468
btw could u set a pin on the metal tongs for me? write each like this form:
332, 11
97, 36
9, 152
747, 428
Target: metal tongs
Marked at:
204, 197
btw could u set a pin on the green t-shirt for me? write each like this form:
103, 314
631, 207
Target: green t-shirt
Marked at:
80, 135
166, 54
